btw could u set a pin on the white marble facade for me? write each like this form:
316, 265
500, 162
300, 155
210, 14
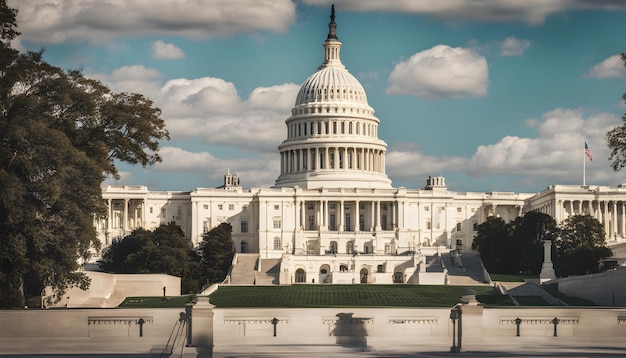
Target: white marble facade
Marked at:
333, 197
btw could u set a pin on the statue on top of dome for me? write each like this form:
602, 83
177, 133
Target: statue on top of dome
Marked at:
332, 27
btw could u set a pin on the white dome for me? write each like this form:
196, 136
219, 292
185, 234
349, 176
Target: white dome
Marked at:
331, 84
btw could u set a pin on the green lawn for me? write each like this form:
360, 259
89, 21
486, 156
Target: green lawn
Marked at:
570, 300
155, 302
511, 278
318, 296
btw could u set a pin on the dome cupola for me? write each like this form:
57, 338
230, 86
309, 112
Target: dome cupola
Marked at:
332, 134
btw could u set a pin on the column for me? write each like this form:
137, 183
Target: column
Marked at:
357, 216
378, 215
125, 223
341, 214
110, 215
326, 158
623, 226
614, 221
571, 208
303, 215
372, 217
394, 212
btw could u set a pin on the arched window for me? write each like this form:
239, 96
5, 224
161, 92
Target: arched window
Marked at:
398, 277
363, 274
300, 275
343, 268
333, 247
277, 243
350, 247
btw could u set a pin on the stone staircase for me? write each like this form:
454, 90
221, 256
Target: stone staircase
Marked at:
244, 269
471, 272
433, 264
268, 273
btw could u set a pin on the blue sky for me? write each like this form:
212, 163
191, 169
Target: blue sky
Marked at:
495, 95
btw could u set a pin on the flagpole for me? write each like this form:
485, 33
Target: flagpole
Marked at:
584, 170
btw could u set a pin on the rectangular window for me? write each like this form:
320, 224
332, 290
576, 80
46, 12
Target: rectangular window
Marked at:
458, 210
428, 225
319, 127
333, 222
205, 206
348, 223
458, 227
387, 249
383, 222
475, 226
205, 226
220, 206
333, 206
231, 206
304, 125
310, 206
362, 221
276, 224
343, 127
311, 222
244, 226
334, 127
331, 160
276, 207
426, 208
150, 210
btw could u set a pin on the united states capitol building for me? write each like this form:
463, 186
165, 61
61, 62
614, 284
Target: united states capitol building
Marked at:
333, 215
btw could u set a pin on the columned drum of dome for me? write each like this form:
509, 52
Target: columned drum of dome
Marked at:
332, 134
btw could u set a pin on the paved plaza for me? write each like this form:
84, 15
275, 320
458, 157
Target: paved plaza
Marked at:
513, 347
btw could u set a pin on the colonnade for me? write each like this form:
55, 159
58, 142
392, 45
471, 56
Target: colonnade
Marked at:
336, 215
302, 129
611, 213
332, 158
123, 220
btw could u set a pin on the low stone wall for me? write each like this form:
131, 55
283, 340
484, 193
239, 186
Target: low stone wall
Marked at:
64, 331
109, 290
606, 288
89, 331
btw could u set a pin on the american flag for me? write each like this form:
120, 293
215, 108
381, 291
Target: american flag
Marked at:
588, 152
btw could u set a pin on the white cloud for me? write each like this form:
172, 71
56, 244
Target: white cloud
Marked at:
210, 109
259, 171
612, 67
529, 11
57, 21
165, 51
512, 46
555, 155
441, 71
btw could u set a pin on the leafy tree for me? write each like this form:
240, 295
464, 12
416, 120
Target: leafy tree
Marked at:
60, 136
164, 250
493, 244
217, 250
581, 248
527, 235
616, 139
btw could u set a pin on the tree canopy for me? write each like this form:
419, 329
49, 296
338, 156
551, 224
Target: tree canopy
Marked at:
516, 247
580, 248
217, 250
616, 139
163, 250
60, 136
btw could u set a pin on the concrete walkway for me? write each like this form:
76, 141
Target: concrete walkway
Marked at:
470, 274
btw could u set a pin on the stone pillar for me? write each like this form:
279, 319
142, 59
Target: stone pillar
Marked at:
547, 270
125, 223
341, 215
471, 322
613, 232
202, 327
357, 216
